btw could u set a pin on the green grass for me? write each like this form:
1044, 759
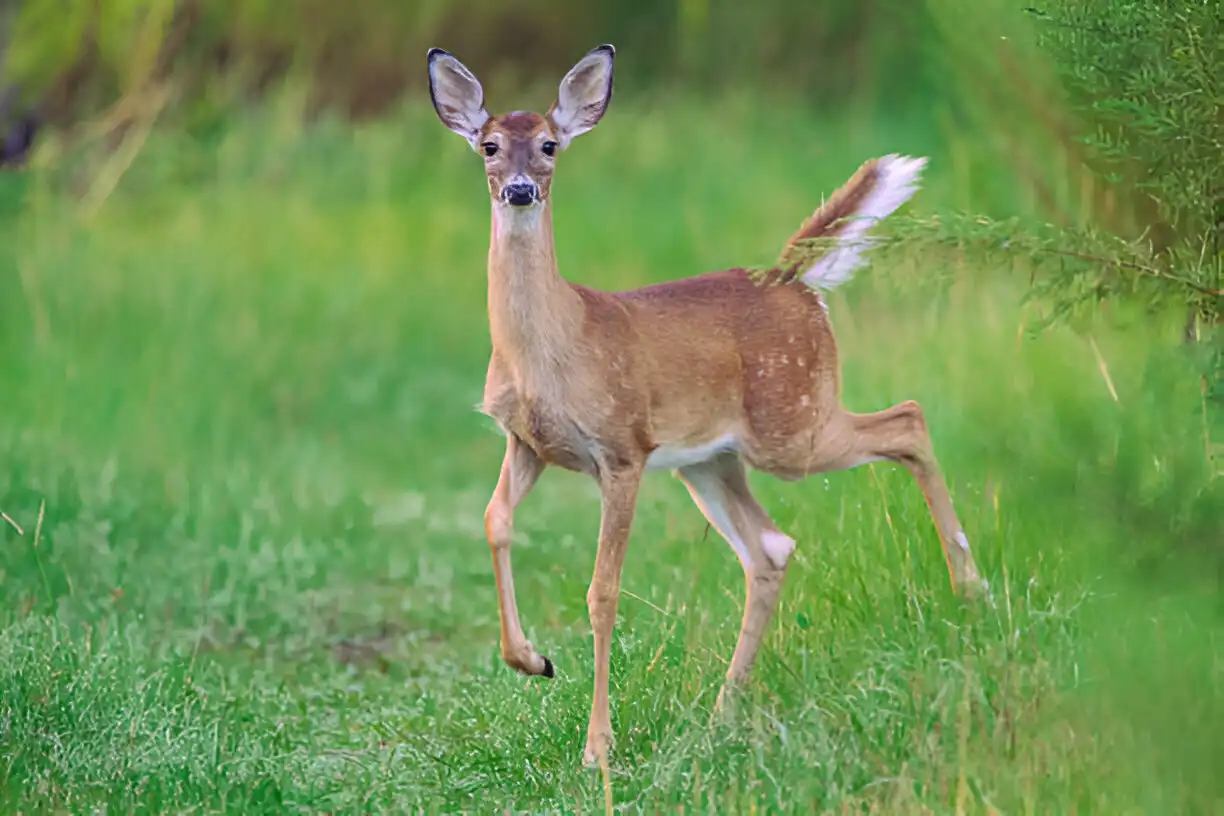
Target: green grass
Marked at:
243, 394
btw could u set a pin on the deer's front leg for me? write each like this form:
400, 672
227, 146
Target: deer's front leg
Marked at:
619, 491
519, 472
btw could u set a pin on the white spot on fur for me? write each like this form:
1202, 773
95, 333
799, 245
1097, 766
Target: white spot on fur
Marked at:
778, 547
805, 401
898, 182
962, 541
669, 457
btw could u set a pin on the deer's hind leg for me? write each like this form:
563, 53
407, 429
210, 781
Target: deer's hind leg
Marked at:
899, 434
720, 489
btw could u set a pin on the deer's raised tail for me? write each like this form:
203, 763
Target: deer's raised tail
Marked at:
828, 248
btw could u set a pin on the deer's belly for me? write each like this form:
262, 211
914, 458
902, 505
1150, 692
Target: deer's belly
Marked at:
674, 457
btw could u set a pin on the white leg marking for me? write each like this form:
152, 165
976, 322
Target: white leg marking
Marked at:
778, 547
962, 542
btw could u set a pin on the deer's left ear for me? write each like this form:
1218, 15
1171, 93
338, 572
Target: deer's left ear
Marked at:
583, 96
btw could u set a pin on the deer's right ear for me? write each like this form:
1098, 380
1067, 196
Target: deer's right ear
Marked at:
457, 96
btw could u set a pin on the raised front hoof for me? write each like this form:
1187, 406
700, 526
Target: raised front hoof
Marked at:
526, 660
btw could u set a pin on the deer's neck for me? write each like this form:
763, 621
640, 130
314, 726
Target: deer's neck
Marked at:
534, 314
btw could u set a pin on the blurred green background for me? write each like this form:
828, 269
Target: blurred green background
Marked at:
242, 330
362, 58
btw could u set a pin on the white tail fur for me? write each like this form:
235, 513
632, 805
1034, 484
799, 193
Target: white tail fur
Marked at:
898, 182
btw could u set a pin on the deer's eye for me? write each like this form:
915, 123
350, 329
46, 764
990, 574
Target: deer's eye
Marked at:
489, 148
549, 148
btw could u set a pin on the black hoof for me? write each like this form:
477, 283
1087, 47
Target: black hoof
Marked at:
548, 669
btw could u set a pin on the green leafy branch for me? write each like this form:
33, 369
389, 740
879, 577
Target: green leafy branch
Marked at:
1084, 266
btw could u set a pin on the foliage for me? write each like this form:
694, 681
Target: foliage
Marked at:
1149, 77
1085, 266
1109, 112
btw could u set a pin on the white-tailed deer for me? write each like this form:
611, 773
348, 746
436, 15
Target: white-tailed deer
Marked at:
706, 375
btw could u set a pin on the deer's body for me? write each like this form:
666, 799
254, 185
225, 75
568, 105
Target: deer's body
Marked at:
677, 373
706, 375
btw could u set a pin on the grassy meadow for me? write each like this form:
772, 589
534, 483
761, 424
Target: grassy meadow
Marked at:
237, 430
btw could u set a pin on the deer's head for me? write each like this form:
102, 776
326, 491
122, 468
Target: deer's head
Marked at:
520, 148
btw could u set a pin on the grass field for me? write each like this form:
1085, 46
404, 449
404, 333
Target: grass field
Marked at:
237, 430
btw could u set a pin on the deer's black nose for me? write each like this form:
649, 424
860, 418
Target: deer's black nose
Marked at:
519, 194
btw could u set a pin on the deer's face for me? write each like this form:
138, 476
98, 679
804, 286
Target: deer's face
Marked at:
520, 148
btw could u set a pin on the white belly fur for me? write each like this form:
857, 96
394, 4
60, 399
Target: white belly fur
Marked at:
672, 458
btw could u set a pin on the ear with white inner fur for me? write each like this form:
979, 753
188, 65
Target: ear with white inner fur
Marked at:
457, 95
583, 96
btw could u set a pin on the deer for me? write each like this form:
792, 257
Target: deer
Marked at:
705, 376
